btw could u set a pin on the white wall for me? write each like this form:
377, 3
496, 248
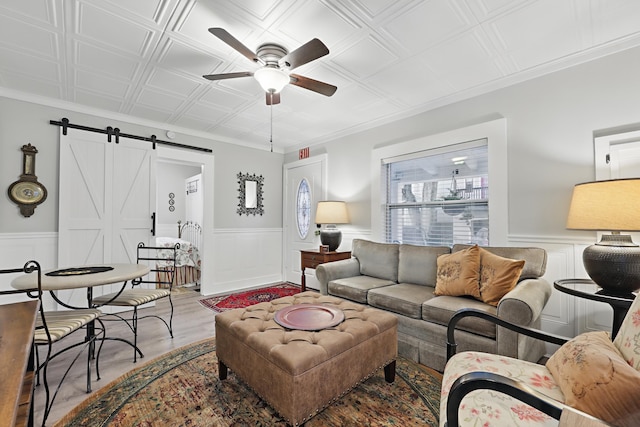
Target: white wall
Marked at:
551, 122
170, 179
23, 122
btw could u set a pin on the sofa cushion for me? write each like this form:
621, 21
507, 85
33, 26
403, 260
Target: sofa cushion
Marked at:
458, 273
417, 264
376, 259
403, 298
498, 276
439, 310
356, 288
535, 258
595, 378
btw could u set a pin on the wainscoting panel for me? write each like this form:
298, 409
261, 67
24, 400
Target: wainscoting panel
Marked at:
565, 314
18, 248
245, 258
167, 230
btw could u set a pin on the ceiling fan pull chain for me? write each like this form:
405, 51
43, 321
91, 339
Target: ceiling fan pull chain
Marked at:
271, 127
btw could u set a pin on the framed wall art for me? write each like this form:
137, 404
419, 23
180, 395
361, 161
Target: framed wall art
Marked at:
250, 194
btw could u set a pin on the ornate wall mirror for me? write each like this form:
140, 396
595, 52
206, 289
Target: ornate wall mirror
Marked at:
250, 194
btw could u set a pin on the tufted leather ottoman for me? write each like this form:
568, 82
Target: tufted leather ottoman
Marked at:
299, 373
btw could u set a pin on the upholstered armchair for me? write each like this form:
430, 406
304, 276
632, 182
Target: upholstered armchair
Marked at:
589, 380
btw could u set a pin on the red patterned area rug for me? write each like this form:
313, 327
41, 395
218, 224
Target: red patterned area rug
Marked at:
247, 298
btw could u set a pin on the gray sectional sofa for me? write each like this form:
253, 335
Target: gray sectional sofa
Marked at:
401, 279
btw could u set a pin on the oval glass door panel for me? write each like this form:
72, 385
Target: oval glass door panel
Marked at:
303, 208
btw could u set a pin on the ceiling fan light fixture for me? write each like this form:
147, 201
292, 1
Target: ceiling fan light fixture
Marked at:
271, 79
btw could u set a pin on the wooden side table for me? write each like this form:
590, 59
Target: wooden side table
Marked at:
311, 259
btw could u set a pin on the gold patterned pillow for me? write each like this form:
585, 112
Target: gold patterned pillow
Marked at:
594, 378
458, 273
498, 275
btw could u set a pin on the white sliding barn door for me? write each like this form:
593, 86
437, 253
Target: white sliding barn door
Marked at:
84, 212
134, 198
107, 198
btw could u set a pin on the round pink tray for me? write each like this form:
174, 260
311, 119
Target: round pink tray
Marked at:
308, 317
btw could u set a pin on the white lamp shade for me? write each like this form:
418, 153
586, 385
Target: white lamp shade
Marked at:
271, 79
612, 205
332, 212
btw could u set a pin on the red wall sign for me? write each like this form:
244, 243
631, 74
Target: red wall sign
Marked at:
303, 153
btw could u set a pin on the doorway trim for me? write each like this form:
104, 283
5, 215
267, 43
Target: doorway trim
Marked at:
206, 161
287, 219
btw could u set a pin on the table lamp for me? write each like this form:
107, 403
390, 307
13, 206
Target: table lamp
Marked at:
611, 205
331, 213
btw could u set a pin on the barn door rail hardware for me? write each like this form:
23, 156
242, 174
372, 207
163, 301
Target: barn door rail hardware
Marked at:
114, 133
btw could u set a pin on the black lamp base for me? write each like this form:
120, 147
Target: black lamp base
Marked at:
614, 264
331, 237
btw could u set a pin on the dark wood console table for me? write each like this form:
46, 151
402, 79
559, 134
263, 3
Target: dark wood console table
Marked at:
17, 326
311, 259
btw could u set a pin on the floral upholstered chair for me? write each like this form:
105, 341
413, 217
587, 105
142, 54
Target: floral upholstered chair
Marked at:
589, 378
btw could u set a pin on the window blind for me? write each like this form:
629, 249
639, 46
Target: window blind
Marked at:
439, 197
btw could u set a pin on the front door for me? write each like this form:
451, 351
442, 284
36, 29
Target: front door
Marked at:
304, 186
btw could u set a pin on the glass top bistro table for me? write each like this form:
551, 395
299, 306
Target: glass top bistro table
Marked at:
585, 288
84, 277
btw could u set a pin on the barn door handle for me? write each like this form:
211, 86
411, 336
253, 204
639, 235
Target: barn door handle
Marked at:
153, 224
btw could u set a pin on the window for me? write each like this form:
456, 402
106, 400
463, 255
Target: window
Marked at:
303, 208
439, 196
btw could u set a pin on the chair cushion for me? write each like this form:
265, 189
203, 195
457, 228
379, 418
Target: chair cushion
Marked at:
486, 407
132, 297
458, 273
628, 339
596, 379
417, 264
376, 259
62, 323
403, 298
356, 288
498, 275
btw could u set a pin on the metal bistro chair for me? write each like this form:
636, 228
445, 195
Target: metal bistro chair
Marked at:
138, 295
54, 326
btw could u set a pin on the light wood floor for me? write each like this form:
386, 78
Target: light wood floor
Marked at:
191, 323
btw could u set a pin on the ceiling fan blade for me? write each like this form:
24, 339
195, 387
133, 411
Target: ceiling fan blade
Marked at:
273, 98
314, 85
228, 75
223, 35
308, 52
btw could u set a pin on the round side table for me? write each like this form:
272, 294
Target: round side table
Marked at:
585, 288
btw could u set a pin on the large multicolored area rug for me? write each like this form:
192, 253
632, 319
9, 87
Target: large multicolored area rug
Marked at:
182, 388
247, 298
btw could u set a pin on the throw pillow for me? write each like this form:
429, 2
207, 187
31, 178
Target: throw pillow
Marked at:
594, 378
498, 275
458, 273
628, 338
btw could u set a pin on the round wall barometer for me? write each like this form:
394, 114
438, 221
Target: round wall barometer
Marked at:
27, 192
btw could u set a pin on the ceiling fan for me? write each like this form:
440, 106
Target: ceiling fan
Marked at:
277, 62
